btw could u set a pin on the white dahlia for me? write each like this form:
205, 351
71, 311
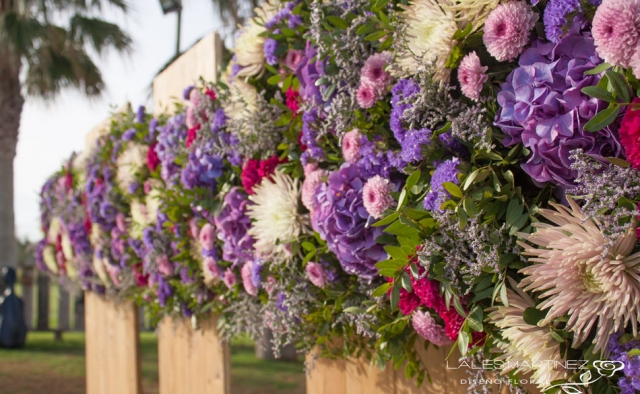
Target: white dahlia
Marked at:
276, 216
129, 162
580, 278
526, 348
428, 36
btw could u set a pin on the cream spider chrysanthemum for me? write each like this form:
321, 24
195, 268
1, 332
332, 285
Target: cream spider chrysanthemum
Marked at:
471, 11
129, 162
526, 348
138, 219
152, 204
101, 270
49, 257
249, 46
428, 36
276, 216
67, 248
55, 227
579, 277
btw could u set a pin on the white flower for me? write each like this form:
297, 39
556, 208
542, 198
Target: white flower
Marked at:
249, 46
138, 219
471, 11
55, 227
49, 257
526, 346
152, 202
276, 218
67, 248
242, 101
428, 36
101, 270
129, 162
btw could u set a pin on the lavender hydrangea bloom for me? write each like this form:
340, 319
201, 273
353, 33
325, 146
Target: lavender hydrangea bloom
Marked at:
446, 171
308, 72
232, 224
169, 142
270, 47
542, 107
202, 170
285, 15
340, 218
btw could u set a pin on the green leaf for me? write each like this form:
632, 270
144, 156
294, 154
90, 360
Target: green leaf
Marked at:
275, 79
308, 246
618, 162
503, 295
475, 319
514, 210
354, 309
454, 58
415, 214
401, 229
366, 28
599, 93
396, 252
381, 290
453, 189
338, 22
463, 342
406, 282
620, 85
413, 179
402, 200
387, 220
375, 36
395, 297
598, 69
460, 34
602, 119
533, 315
470, 207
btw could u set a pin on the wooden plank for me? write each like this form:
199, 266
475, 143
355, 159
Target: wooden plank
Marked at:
192, 361
112, 346
363, 378
326, 376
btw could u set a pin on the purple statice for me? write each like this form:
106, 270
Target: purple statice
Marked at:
309, 137
170, 141
560, 13
164, 289
281, 302
270, 47
232, 224
202, 169
285, 15
542, 107
129, 134
373, 160
219, 121
619, 351
153, 125
186, 93
339, 216
308, 72
140, 114
446, 171
403, 90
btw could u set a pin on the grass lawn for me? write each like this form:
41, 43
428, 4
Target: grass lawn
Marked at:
45, 366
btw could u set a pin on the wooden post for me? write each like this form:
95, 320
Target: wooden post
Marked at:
78, 310
326, 376
192, 361
27, 294
43, 302
112, 347
64, 323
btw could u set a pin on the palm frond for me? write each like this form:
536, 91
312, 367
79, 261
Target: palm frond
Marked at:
98, 33
22, 33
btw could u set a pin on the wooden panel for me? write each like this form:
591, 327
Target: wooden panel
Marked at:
201, 60
326, 376
192, 361
362, 378
112, 346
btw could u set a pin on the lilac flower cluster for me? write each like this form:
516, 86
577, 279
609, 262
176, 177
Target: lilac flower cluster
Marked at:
339, 216
619, 351
446, 171
270, 47
232, 224
559, 13
309, 137
285, 14
170, 142
202, 169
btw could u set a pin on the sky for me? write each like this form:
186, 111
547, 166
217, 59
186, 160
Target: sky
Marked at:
51, 131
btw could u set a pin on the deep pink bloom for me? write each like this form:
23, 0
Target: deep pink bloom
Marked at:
164, 265
373, 71
293, 100
408, 302
351, 146
142, 280
316, 274
229, 278
211, 94
268, 166
191, 136
630, 135
506, 31
429, 293
616, 31
472, 75
206, 236
293, 59
190, 119
245, 272
250, 176
366, 96
376, 194
68, 180
152, 157
427, 328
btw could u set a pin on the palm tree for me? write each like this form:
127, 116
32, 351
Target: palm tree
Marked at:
44, 48
233, 13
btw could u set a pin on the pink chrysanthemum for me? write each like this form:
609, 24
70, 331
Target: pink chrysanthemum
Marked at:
206, 236
245, 272
193, 228
426, 326
373, 71
376, 196
211, 268
164, 265
471, 75
293, 59
316, 274
630, 135
366, 96
616, 30
351, 146
121, 223
190, 118
309, 186
309, 168
229, 278
506, 31
635, 63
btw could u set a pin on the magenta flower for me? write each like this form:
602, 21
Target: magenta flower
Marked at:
376, 196
506, 31
616, 30
206, 236
245, 272
373, 71
366, 96
316, 274
426, 327
471, 75
190, 120
351, 146
229, 278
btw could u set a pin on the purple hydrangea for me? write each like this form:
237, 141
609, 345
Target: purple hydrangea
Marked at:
232, 224
219, 121
186, 93
542, 107
618, 351
169, 143
202, 169
270, 47
308, 72
340, 218
447, 171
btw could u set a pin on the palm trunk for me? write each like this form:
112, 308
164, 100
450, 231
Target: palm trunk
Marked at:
11, 102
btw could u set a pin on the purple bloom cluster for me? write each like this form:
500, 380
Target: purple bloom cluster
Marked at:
202, 169
232, 224
446, 171
270, 47
340, 218
140, 114
373, 160
557, 15
170, 140
308, 72
285, 14
542, 107
630, 382
309, 136
99, 206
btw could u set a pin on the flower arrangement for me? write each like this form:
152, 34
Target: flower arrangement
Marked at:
384, 174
